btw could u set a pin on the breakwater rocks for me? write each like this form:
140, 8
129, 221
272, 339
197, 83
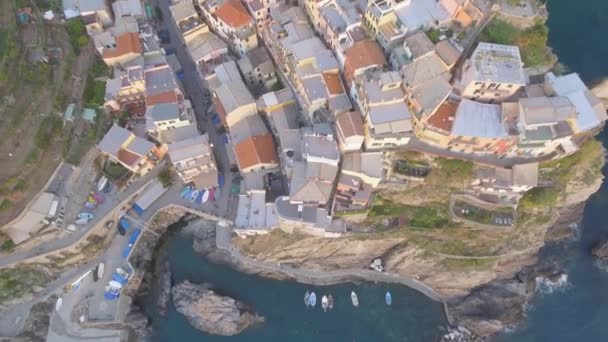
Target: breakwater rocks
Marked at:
210, 312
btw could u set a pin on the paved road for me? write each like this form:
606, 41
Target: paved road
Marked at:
101, 211
13, 319
194, 89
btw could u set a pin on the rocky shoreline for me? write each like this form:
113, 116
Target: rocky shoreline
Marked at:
208, 311
485, 311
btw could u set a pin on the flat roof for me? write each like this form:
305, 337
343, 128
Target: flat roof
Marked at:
475, 119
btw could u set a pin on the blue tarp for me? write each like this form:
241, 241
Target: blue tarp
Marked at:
134, 236
127, 251
220, 180
122, 280
138, 209
124, 223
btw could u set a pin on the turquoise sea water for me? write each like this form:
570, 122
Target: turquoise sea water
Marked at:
579, 312
411, 317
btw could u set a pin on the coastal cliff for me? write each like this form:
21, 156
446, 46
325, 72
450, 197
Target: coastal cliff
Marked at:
485, 276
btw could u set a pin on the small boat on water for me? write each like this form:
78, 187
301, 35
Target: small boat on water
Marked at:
389, 298
354, 299
193, 196
330, 300
307, 299
312, 301
184, 191
324, 303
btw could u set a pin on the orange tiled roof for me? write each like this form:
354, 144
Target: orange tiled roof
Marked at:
219, 108
333, 83
234, 14
443, 118
256, 150
362, 54
125, 43
128, 157
166, 97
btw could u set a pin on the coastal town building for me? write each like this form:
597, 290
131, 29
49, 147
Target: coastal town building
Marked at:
257, 69
187, 20
257, 154
126, 87
167, 116
207, 51
128, 8
504, 182
231, 21
382, 102
350, 132
494, 73
360, 57
134, 153
88, 10
367, 166
231, 99
591, 112
193, 161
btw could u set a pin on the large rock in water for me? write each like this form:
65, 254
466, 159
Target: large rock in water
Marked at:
600, 250
210, 312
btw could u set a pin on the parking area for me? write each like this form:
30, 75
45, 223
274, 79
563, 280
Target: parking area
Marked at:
503, 217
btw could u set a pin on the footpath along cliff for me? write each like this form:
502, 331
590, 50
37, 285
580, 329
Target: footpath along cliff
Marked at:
486, 276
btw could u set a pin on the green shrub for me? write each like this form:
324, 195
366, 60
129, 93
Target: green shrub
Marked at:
5, 205
543, 197
532, 41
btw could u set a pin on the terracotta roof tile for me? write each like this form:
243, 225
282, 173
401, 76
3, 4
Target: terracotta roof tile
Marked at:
443, 118
350, 124
125, 43
166, 97
333, 83
234, 14
362, 54
256, 150
128, 157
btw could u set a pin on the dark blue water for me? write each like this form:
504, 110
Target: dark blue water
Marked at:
411, 317
578, 34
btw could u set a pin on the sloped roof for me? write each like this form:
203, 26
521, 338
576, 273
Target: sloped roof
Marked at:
256, 150
363, 54
350, 124
234, 14
125, 43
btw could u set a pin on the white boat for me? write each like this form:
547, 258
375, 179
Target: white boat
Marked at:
307, 299
85, 215
71, 228
330, 300
354, 299
389, 298
324, 303
58, 304
313, 300
193, 196
115, 284
122, 273
100, 270
103, 182
205, 197
82, 221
